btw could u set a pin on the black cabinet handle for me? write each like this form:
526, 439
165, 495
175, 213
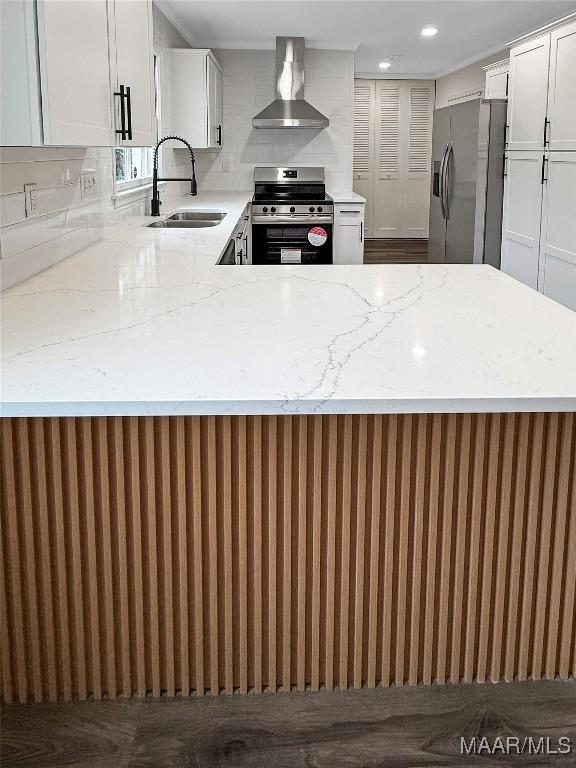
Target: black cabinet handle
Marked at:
122, 130
546, 124
219, 141
544, 177
129, 111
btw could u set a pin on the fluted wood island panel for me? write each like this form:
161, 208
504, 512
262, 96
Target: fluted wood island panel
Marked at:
143, 555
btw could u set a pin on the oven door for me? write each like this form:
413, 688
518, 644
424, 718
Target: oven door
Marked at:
291, 242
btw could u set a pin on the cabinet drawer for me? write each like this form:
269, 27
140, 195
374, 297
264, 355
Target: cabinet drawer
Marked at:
353, 211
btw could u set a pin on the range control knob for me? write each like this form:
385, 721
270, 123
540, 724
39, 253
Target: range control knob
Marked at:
311, 209
265, 210
273, 209
292, 209
319, 209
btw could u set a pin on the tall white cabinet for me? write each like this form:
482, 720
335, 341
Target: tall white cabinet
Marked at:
539, 217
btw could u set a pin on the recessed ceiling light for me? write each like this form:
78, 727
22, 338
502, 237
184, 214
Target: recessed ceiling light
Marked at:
384, 65
429, 31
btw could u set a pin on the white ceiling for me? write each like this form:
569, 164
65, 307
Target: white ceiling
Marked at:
375, 29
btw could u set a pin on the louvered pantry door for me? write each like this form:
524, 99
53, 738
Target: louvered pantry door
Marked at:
402, 136
420, 98
388, 190
363, 169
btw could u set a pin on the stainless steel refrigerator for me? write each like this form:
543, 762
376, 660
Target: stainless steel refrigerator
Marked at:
468, 144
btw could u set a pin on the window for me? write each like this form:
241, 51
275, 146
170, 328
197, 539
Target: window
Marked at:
133, 166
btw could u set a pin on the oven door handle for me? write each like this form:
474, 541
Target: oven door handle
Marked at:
304, 221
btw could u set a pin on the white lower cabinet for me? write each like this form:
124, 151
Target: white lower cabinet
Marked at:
539, 222
557, 272
521, 216
243, 236
348, 240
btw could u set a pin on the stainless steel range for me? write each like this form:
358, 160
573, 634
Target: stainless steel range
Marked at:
292, 217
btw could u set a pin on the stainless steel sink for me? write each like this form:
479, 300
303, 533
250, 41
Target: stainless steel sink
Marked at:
190, 220
216, 216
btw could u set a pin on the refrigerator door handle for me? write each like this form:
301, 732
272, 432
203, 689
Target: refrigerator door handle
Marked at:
441, 184
446, 181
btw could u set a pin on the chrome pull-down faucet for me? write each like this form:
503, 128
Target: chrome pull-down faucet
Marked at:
156, 202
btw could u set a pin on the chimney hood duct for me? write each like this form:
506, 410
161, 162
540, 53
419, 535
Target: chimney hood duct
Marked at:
289, 109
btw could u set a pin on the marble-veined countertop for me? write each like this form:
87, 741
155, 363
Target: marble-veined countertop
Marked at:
146, 323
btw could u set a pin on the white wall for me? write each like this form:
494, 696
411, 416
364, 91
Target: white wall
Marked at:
173, 162
466, 80
248, 88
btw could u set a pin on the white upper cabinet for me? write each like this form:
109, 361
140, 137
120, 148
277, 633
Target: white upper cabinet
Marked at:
215, 102
562, 89
497, 80
191, 106
64, 61
75, 72
132, 67
528, 94
19, 83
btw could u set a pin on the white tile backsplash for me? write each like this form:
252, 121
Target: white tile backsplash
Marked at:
248, 88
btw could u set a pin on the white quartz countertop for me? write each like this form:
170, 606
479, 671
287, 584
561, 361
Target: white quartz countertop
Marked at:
145, 323
347, 197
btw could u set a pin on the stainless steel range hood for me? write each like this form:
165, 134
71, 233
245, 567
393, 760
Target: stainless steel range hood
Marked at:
289, 109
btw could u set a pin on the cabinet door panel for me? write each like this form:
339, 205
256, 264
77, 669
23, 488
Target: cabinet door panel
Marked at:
132, 30
21, 125
521, 216
75, 72
528, 90
215, 104
557, 276
363, 168
496, 85
348, 233
562, 89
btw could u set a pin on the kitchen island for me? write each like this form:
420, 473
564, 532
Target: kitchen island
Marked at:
221, 478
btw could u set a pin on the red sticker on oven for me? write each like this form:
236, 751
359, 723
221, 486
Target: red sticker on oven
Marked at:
317, 236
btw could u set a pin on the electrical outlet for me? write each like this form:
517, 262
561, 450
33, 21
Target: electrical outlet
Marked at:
226, 168
31, 199
88, 185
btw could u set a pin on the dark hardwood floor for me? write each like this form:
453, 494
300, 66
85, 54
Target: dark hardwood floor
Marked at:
397, 251
381, 728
